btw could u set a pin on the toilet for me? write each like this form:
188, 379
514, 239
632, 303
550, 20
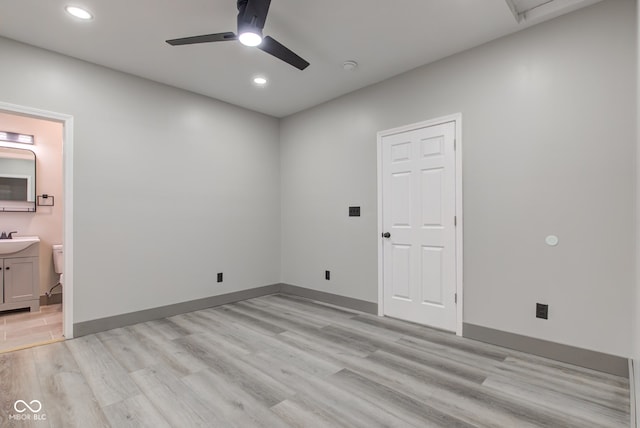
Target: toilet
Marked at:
58, 261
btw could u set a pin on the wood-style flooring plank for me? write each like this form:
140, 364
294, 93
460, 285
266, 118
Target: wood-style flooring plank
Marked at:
317, 394
435, 362
285, 361
127, 349
414, 412
312, 305
169, 353
174, 400
19, 381
66, 395
257, 383
284, 319
578, 408
564, 370
435, 336
134, 412
293, 323
402, 382
327, 318
231, 402
230, 334
318, 319
298, 416
108, 379
240, 331
484, 403
260, 326
551, 381
167, 329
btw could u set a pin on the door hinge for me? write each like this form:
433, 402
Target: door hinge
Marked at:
455, 298
455, 220
455, 144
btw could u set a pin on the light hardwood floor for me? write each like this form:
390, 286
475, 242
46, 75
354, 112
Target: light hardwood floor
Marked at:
19, 329
281, 361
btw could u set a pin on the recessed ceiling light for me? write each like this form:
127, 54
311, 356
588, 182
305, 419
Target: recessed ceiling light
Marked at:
79, 12
260, 81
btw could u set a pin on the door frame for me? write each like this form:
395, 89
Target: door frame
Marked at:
457, 119
67, 183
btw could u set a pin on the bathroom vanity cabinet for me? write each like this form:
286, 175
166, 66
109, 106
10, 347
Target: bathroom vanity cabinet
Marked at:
20, 279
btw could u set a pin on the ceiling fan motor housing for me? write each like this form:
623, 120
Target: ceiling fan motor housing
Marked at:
252, 15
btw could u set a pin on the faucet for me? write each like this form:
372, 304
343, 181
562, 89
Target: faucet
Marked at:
5, 236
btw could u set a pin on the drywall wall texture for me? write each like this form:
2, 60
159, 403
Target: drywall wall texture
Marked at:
548, 148
636, 321
46, 222
169, 187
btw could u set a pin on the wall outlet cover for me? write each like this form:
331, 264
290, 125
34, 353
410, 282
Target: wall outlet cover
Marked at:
542, 311
552, 240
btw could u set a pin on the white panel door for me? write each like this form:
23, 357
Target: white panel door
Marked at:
418, 209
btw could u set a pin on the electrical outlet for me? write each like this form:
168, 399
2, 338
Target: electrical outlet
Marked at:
542, 311
354, 211
327, 275
220, 277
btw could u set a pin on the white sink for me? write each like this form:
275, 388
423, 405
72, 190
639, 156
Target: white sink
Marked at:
8, 246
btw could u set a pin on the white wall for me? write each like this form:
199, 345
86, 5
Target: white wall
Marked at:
169, 187
548, 148
636, 320
46, 222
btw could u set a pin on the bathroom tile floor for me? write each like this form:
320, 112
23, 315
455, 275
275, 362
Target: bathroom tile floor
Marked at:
23, 329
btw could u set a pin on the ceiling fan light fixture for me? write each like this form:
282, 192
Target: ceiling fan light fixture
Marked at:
252, 15
250, 38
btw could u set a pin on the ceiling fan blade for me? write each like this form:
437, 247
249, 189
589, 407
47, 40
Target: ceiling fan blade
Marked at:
206, 38
275, 48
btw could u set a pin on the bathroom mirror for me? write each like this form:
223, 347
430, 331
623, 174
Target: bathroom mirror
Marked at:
17, 180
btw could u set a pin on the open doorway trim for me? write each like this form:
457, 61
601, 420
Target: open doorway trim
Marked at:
457, 118
67, 168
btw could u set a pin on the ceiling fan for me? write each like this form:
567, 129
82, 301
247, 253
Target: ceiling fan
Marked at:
252, 15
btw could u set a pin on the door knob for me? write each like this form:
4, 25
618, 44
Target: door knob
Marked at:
386, 235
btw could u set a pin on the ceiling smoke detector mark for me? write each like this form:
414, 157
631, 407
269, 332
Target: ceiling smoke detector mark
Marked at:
350, 65
527, 10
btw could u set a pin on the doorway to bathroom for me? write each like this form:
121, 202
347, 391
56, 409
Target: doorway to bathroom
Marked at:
48, 316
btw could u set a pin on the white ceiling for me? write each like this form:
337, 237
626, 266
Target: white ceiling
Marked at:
386, 38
